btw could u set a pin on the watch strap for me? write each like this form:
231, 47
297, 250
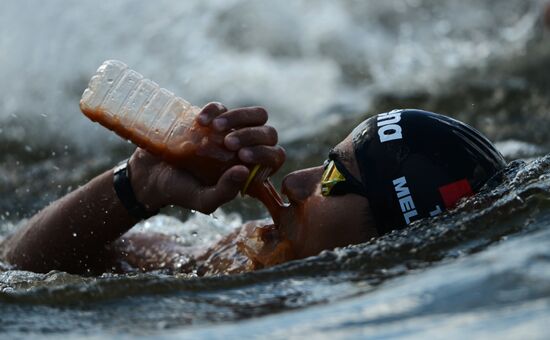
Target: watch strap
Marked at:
123, 188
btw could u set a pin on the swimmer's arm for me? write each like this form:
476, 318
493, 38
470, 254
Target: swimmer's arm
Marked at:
71, 234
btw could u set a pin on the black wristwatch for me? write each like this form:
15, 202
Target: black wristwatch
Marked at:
125, 193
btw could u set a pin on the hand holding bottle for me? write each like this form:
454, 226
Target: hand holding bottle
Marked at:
203, 144
243, 131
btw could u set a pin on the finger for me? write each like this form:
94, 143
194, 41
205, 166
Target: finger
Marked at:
256, 135
270, 156
228, 186
237, 118
209, 112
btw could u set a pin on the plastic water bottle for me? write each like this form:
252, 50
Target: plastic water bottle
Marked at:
155, 119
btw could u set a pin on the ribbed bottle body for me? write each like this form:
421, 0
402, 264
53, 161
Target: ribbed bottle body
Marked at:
123, 100
155, 119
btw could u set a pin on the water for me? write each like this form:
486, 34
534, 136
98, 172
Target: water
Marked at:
319, 67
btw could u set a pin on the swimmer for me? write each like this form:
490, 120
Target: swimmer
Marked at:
390, 171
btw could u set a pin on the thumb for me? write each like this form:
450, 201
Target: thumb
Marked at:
228, 186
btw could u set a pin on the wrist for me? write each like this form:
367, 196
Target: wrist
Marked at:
144, 184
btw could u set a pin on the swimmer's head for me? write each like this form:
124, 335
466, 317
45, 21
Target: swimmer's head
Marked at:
416, 164
393, 169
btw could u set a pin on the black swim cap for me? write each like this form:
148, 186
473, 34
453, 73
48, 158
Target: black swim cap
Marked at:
416, 164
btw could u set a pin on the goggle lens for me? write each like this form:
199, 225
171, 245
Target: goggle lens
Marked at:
337, 180
331, 177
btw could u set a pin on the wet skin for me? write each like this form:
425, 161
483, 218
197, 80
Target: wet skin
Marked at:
315, 222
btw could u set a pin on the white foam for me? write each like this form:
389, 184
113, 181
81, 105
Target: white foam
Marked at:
302, 60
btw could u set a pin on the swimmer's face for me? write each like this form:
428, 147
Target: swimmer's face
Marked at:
315, 222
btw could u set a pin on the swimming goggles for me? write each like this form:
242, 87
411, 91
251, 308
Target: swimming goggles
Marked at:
337, 180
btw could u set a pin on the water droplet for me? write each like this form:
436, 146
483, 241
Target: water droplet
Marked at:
28, 148
194, 234
44, 115
74, 234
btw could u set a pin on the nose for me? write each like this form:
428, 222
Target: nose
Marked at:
299, 185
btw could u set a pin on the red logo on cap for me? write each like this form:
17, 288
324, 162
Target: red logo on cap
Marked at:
451, 193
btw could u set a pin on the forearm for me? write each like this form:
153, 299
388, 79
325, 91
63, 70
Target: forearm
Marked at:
71, 233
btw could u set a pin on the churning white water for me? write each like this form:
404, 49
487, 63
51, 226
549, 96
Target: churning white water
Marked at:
308, 62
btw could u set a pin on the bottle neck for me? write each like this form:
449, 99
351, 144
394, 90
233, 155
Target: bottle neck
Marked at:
265, 192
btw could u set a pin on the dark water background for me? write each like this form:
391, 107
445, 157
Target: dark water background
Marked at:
319, 67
